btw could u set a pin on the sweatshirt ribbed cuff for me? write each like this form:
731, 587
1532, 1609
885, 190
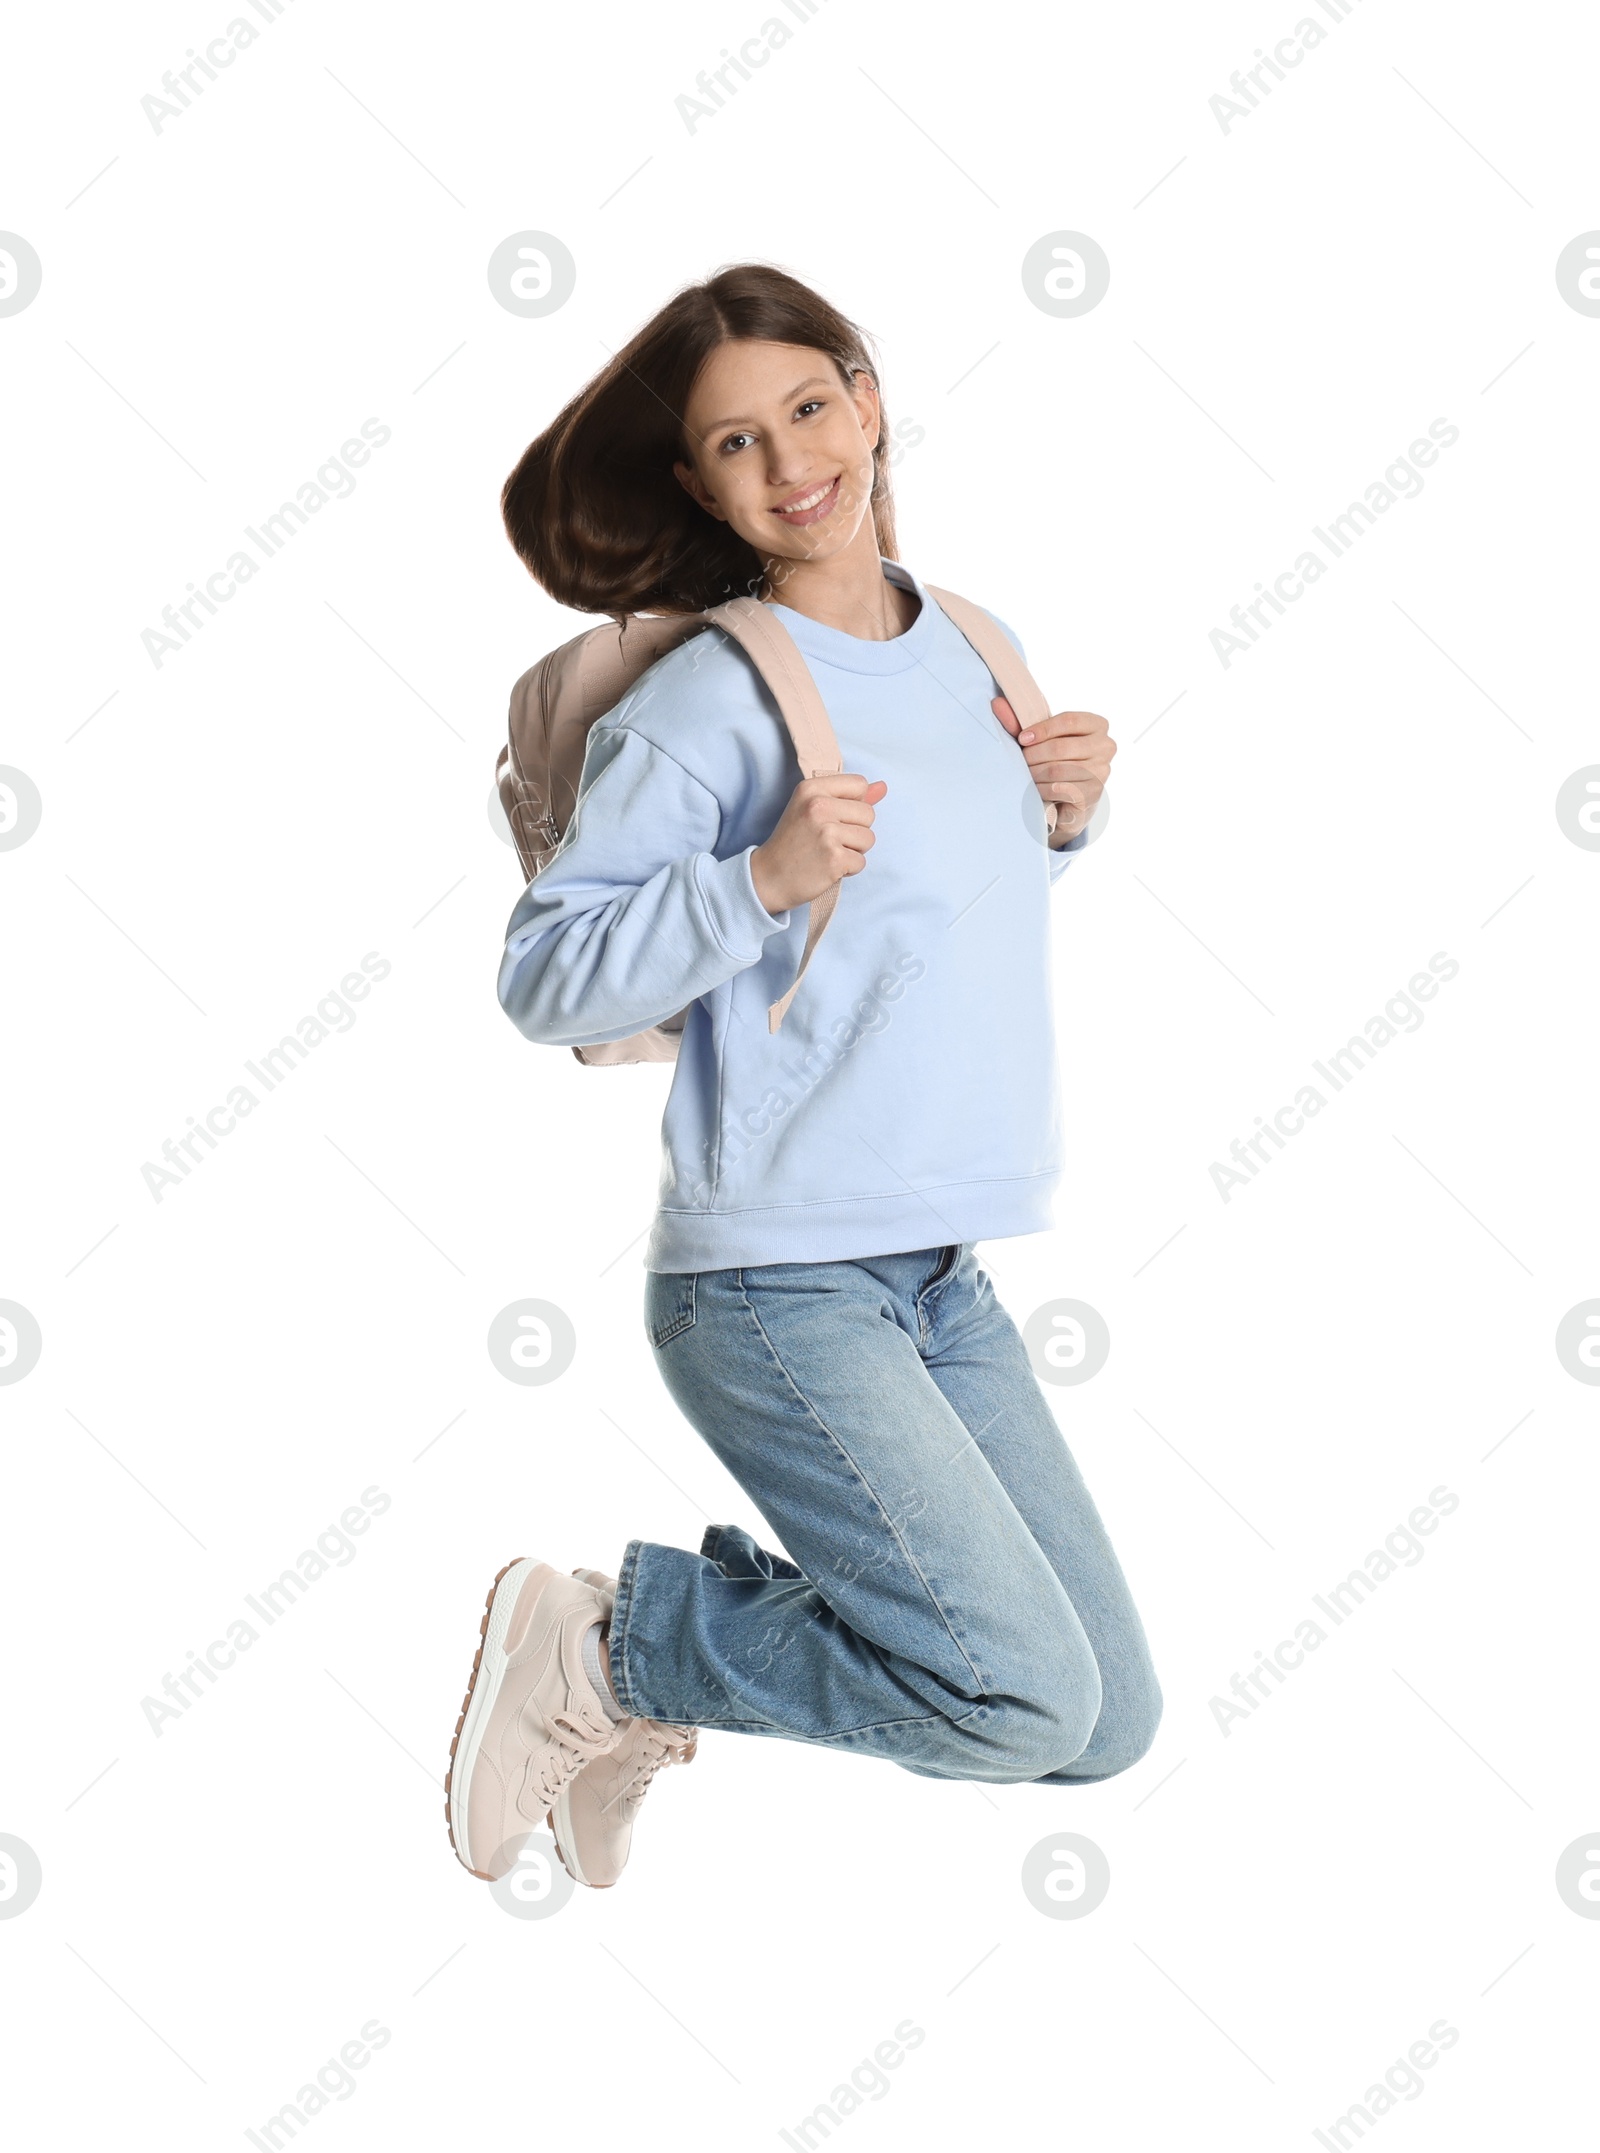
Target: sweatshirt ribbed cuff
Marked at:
737, 917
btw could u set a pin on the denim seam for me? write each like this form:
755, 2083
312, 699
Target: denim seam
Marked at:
935, 1288
916, 1567
622, 1683
621, 1680
978, 1710
821, 1741
683, 1321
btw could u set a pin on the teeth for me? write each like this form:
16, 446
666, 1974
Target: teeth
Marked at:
798, 508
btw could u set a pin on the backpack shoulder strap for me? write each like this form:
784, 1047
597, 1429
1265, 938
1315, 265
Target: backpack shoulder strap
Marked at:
1000, 655
776, 657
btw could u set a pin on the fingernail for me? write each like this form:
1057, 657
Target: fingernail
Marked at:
1026, 739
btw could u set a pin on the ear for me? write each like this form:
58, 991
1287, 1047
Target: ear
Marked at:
689, 479
864, 391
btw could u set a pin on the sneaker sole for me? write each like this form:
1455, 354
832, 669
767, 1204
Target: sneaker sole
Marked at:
477, 1704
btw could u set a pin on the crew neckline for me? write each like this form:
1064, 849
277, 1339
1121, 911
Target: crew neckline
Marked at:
859, 654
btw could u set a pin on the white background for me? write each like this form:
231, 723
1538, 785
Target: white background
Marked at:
1291, 838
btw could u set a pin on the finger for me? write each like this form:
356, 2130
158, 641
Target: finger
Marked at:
1046, 760
1007, 716
838, 813
843, 785
1068, 748
1067, 725
1062, 723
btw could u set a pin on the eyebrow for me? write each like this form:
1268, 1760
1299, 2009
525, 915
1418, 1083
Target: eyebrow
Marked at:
716, 425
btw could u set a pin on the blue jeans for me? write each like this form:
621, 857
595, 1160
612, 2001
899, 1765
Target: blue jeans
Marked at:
952, 1602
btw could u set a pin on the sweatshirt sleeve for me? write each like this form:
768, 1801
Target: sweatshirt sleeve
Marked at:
1059, 856
635, 916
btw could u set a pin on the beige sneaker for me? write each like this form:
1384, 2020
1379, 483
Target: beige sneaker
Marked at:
591, 1819
530, 1720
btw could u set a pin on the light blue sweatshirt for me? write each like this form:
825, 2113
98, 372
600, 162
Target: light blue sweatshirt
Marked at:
910, 1098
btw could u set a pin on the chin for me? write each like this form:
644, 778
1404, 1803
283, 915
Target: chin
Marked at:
820, 542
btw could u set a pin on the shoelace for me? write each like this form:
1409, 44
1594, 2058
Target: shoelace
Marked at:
663, 1745
575, 1747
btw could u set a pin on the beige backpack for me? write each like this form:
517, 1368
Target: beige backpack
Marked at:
554, 704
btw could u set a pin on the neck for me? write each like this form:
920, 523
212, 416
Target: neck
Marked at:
849, 591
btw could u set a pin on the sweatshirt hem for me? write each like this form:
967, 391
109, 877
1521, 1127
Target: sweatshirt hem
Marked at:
835, 1231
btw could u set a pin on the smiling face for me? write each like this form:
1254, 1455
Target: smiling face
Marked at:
782, 450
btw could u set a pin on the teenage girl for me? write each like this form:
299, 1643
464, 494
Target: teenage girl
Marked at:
948, 1598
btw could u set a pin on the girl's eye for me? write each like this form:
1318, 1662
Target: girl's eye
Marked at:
734, 441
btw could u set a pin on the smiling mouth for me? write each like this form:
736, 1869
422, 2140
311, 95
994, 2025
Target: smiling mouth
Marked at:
813, 505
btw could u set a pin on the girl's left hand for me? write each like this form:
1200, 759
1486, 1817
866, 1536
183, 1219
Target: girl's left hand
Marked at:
1070, 758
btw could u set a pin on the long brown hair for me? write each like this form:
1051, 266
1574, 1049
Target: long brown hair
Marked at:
594, 509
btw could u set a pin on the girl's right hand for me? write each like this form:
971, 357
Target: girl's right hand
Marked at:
823, 834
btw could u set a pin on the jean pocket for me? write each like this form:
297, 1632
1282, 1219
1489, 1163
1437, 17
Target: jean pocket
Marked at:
668, 1305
